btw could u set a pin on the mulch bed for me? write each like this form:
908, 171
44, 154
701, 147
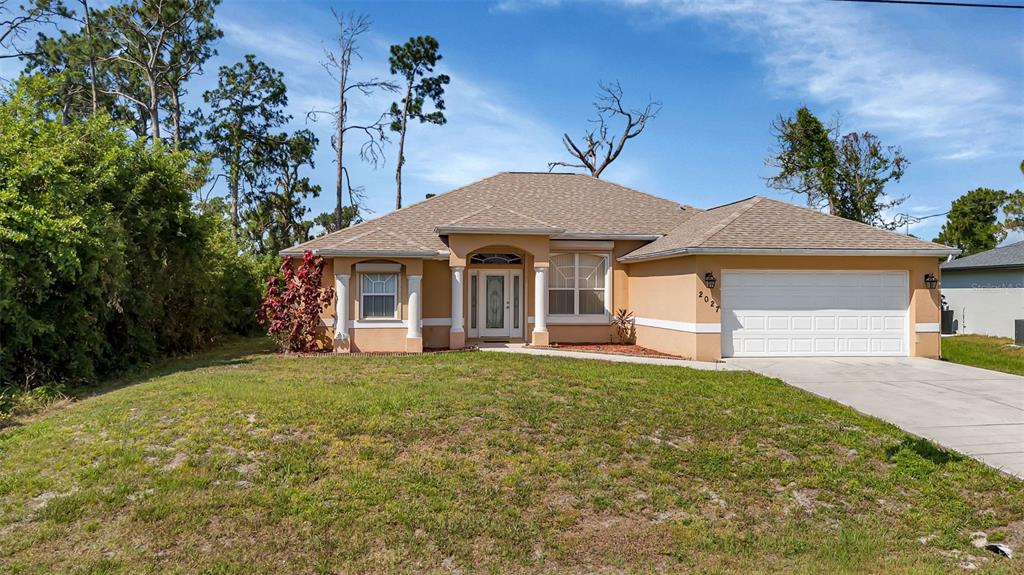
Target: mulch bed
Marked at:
426, 351
615, 348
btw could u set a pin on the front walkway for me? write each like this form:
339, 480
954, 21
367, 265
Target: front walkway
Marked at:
521, 348
974, 411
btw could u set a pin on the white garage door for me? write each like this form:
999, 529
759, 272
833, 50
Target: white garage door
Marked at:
789, 313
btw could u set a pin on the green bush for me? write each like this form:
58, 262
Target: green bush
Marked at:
104, 262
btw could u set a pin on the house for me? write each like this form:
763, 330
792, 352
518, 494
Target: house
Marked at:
545, 258
986, 290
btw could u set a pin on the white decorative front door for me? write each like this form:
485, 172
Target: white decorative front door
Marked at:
500, 310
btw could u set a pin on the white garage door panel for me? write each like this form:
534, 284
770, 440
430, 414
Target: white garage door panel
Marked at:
786, 313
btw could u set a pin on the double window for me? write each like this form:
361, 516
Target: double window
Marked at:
379, 293
578, 284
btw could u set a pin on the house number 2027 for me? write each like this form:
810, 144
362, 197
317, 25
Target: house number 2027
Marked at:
706, 298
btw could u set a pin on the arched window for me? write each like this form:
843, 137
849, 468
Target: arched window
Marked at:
495, 259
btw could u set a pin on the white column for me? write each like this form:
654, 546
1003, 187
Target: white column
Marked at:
540, 299
341, 306
415, 320
457, 298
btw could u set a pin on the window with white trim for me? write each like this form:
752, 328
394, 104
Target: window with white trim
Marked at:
578, 284
379, 293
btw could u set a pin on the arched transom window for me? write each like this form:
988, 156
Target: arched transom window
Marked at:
495, 259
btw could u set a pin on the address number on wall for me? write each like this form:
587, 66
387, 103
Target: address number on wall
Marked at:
706, 298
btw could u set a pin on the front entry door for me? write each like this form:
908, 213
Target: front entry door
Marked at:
501, 295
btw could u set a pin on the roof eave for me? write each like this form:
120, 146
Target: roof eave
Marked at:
448, 230
925, 252
338, 253
601, 236
982, 267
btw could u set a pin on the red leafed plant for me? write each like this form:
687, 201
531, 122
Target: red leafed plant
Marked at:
291, 309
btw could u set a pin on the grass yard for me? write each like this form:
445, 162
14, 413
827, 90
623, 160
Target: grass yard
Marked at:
244, 462
995, 353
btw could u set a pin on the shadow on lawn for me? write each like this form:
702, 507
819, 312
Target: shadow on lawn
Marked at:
924, 449
234, 351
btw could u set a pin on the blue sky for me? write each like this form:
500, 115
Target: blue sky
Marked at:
946, 84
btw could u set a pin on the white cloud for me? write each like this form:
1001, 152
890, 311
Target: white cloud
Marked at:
924, 210
841, 55
487, 132
523, 5
277, 41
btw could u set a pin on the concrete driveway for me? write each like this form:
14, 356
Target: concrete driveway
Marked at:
974, 411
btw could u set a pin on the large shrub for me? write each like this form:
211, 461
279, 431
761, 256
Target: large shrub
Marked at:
291, 309
104, 263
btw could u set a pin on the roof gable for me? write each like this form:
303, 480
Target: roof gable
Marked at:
534, 202
491, 218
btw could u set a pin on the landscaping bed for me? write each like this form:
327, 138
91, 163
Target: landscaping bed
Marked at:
247, 462
613, 348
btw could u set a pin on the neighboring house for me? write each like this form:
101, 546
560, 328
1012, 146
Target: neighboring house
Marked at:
545, 258
986, 290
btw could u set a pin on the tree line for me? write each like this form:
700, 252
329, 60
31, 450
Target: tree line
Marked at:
114, 251
135, 60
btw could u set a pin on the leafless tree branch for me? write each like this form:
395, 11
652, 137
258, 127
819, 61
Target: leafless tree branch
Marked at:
600, 148
338, 66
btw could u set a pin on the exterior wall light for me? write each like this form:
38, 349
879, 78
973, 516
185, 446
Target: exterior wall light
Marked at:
709, 280
931, 281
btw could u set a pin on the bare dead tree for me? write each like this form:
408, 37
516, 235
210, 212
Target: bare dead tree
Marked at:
599, 146
373, 135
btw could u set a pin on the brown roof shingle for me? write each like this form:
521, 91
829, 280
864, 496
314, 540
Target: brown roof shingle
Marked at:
492, 217
761, 223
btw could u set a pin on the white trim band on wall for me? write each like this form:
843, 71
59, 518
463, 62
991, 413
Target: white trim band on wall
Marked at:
574, 320
926, 328
390, 323
685, 326
379, 324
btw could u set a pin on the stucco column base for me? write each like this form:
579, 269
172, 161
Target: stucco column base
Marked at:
541, 338
927, 345
342, 345
456, 339
708, 347
414, 345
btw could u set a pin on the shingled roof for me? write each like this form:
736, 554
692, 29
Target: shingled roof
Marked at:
1011, 256
561, 205
762, 225
576, 206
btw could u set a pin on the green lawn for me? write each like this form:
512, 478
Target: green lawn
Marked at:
982, 351
242, 462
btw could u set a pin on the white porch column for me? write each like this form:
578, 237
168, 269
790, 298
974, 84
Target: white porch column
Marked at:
341, 306
415, 319
457, 298
540, 305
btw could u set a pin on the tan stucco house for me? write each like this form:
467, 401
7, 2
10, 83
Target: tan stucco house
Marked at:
546, 258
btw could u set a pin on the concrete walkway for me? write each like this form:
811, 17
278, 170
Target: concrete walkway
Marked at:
974, 411
520, 348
